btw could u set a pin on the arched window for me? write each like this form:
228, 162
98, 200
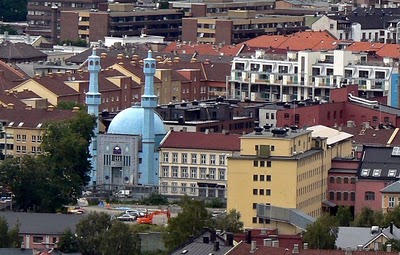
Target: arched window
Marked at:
338, 180
331, 179
369, 195
339, 196
117, 150
331, 195
147, 66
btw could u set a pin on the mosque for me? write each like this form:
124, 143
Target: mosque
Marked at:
127, 155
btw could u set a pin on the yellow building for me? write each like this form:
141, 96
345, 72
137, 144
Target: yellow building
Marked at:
284, 168
390, 197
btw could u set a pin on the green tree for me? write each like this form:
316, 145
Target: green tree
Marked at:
392, 216
395, 245
68, 242
9, 237
119, 240
367, 218
229, 222
78, 43
99, 235
322, 233
13, 10
344, 216
7, 28
155, 199
69, 105
188, 223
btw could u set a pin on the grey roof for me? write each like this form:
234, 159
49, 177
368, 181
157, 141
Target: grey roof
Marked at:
353, 236
392, 188
288, 135
198, 247
376, 158
15, 251
42, 223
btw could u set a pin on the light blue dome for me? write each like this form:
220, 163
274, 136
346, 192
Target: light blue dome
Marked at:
130, 122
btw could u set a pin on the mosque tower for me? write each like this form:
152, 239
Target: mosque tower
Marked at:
93, 100
149, 103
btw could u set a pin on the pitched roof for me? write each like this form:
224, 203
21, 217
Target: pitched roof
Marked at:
353, 236
33, 118
377, 162
392, 188
202, 141
17, 51
42, 223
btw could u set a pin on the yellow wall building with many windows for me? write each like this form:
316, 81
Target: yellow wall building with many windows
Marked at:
284, 168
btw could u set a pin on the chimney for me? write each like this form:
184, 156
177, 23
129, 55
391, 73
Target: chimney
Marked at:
359, 247
305, 246
391, 227
253, 246
216, 246
10, 106
76, 109
295, 249
50, 108
389, 247
213, 235
248, 236
229, 239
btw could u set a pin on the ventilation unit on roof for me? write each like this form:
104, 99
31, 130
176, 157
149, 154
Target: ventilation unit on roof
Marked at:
279, 132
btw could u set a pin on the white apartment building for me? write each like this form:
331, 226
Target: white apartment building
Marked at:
310, 75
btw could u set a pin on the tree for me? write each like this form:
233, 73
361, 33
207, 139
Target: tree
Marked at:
68, 242
395, 245
155, 199
13, 10
344, 216
9, 237
367, 218
392, 216
322, 233
188, 223
229, 222
69, 105
99, 235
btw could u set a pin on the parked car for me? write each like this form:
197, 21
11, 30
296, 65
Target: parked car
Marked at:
76, 210
123, 193
127, 217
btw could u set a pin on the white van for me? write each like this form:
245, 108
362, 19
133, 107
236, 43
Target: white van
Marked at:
124, 193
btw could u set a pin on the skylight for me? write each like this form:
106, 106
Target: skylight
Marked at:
377, 172
392, 173
396, 151
365, 172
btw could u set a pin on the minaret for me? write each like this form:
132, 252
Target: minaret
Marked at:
93, 101
149, 103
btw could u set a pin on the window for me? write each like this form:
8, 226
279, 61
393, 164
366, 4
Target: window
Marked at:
255, 163
262, 163
269, 163
254, 205
255, 177
184, 172
254, 220
184, 158
374, 118
183, 188
345, 196
346, 180
39, 138
18, 149
268, 178
369, 195
267, 115
193, 172
286, 116
174, 187
23, 149
272, 148
352, 196
261, 192
268, 192
193, 188
222, 160
376, 173
175, 171
338, 196
352, 180
174, 157
164, 187
165, 157
365, 172
34, 138
23, 138
392, 173
33, 149
331, 179
194, 158
203, 173
262, 178
331, 195
338, 180
391, 202
212, 159
221, 173
255, 191
165, 171
18, 138
37, 239
212, 173
203, 159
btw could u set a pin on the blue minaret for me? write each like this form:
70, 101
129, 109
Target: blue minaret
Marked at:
149, 103
93, 101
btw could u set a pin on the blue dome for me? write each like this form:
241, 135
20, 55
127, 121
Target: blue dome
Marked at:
130, 122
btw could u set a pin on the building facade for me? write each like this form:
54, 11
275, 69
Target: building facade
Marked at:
195, 164
285, 168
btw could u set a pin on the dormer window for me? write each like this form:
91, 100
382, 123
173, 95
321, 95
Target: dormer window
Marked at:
377, 172
365, 172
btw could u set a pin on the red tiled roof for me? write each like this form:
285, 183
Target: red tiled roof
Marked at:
197, 140
202, 49
389, 50
365, 47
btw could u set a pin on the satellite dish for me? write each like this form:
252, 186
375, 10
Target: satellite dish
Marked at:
69, 78
73, 78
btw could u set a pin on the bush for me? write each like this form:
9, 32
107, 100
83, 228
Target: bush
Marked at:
215, 203
155, 199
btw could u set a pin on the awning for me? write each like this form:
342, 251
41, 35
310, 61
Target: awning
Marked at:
328, 203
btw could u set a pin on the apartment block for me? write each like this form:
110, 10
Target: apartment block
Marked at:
306, 74
287, 168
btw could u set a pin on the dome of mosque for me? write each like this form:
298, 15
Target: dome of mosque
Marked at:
130, 122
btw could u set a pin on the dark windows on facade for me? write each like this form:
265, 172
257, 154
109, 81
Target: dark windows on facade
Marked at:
369, 195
